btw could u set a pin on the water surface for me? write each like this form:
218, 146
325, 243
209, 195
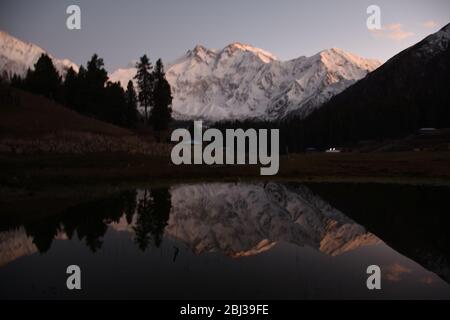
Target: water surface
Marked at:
235, 240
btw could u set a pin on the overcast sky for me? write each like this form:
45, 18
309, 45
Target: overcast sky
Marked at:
121, 31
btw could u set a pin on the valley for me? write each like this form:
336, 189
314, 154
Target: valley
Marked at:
43, 143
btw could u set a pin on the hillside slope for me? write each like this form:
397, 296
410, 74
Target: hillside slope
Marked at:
31, 123
27, 114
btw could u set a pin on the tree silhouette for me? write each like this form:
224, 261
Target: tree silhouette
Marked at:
129, 200
162, 99
96, 75
144, 79
44, 79
70, 89
131, 105
153, 212
43, 233
90, 220
90, 93
93, 85
113, 105
17, 82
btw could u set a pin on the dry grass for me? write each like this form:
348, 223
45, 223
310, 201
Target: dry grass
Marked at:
31, 124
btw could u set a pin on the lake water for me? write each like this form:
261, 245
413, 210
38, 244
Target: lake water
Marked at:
235, 240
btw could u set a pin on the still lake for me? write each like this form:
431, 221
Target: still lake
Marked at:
236, 241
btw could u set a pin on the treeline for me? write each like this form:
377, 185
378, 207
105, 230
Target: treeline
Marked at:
89, 92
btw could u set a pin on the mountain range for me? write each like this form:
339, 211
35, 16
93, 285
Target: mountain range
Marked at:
348, 97
235, 83
244, 82
242, 219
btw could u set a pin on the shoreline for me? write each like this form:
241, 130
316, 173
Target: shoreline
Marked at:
37, 186
42, 171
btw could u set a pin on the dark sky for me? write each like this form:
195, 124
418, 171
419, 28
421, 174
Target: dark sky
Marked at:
121, 31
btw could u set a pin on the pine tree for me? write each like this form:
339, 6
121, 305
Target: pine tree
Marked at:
18, 82
144, 79
93, 84
96, 76
4, 77
70, 89
79, 90
44, 79
113, 104
131, 104
162, 99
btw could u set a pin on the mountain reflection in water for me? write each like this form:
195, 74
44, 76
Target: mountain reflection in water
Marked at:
267, 240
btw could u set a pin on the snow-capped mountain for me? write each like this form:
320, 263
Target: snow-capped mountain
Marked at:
241, 219
16, 56
237, 82
244, 82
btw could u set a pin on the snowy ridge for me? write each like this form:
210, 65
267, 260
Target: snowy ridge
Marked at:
244, 82
240, 219
17, 56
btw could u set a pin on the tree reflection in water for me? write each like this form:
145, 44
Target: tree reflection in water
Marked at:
152, 214
90, 220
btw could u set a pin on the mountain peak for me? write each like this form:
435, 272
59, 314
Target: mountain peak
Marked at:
335, 57
264, 55
331, 52
240, 46
337, 52
200, 52
199, 48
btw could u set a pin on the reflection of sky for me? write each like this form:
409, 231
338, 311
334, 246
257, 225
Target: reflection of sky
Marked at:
121, 31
